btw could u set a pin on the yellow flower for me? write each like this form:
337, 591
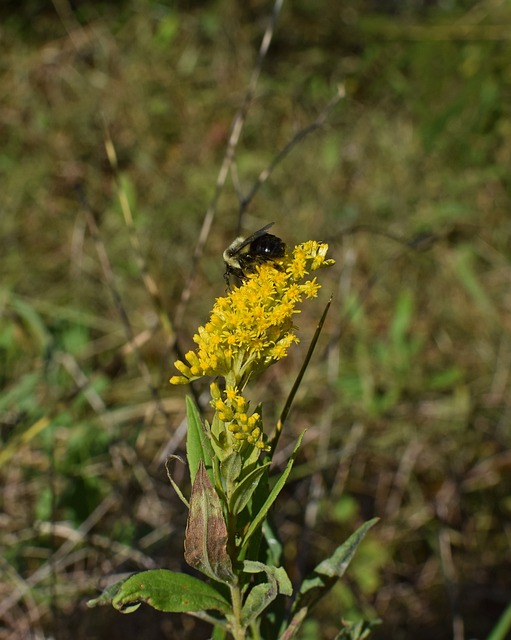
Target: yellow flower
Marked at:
252, 327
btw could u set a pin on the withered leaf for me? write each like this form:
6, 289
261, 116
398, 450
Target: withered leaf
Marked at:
206, 532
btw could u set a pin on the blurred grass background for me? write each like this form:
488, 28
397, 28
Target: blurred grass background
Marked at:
407, 403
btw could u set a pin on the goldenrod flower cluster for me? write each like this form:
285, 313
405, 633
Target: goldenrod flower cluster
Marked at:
252, 327
233, 410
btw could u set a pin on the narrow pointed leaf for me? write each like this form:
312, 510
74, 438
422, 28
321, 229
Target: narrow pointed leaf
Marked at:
245, 489
287, 407
165, 591
206, 533
219, 441
274, 552
173, 483
198, 446
259, 517
327, 572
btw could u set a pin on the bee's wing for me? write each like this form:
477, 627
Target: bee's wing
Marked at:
255, 235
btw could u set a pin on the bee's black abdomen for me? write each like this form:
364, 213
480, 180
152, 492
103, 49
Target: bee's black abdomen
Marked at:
244, 254
267, 246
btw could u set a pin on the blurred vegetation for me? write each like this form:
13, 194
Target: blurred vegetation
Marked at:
408, 399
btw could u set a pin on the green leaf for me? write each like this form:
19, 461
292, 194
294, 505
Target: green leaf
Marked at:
261, 595
259, 517
206, 532
230, 469
107, 596
278, 573
245, 489
285, 586
274, 551
163, 590
219, 633
219, 439
198, 446
327, 572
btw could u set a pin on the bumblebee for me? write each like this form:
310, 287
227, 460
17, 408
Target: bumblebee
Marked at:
244, 254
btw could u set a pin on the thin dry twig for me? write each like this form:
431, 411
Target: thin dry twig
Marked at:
237, 126
303, 133
116, 296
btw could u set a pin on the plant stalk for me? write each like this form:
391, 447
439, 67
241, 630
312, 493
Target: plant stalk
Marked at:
238, 630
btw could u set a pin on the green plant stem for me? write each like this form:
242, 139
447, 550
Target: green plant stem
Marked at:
254, 630
238, 630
